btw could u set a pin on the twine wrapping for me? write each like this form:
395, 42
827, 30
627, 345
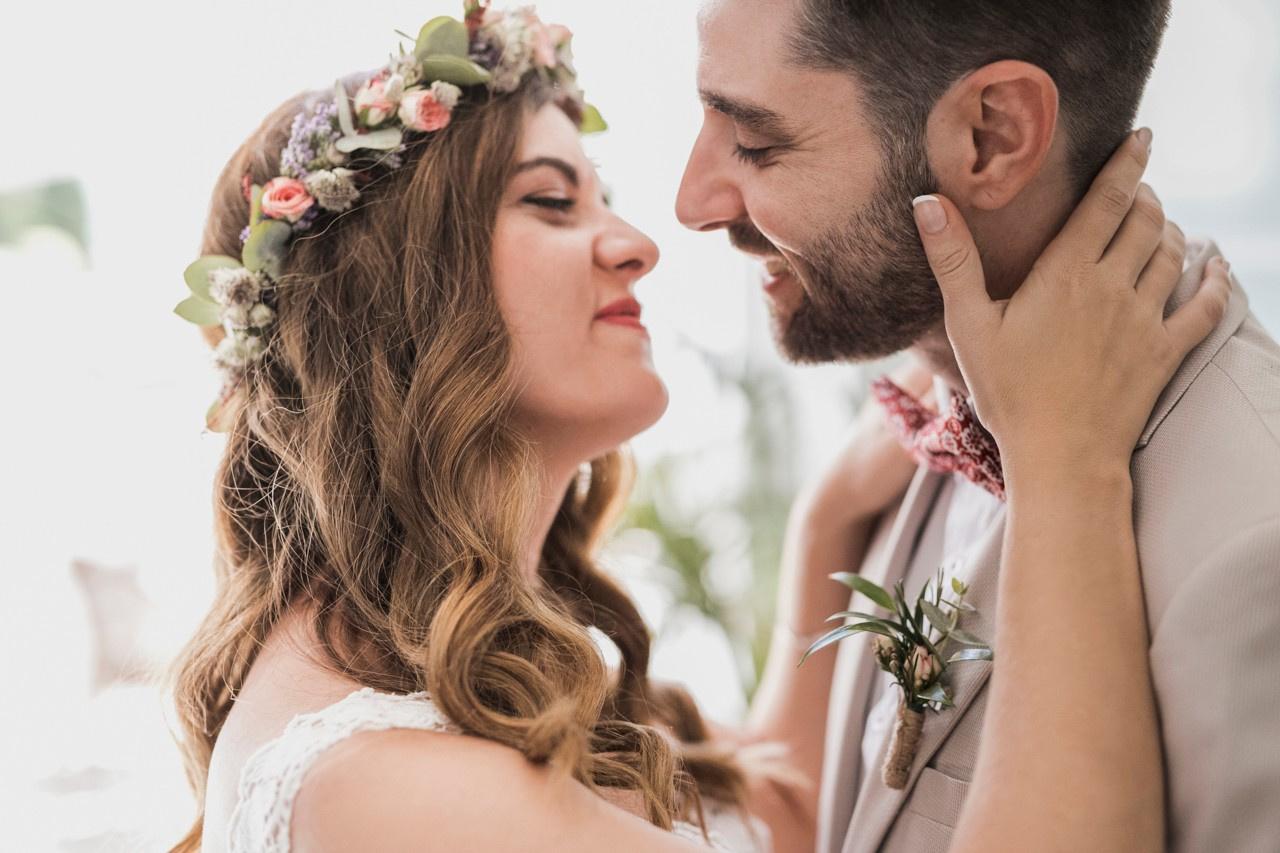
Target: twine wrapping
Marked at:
902, 747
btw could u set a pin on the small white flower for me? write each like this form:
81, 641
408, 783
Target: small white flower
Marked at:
253, 347
409, 70
261, 315
334, 190
235, 317
234, 286
393, 88
446, 94
229, 354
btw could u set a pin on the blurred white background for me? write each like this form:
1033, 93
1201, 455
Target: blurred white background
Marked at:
103, 455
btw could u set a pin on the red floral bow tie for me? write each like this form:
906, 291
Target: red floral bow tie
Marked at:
954, 441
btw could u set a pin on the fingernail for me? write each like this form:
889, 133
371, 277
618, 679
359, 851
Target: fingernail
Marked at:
930, 215
1144, 136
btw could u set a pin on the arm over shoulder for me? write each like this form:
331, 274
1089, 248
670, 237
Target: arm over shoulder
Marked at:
1215, 659
433, 792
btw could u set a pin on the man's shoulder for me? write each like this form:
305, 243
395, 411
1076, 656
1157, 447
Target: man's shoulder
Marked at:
1209, 469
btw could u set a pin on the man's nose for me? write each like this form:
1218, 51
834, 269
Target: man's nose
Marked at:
708, 199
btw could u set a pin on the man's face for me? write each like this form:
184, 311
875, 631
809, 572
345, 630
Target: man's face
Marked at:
792, 164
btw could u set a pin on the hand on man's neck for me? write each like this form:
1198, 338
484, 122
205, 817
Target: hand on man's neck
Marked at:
1010, 240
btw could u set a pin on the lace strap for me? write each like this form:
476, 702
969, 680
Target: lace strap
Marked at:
272, 777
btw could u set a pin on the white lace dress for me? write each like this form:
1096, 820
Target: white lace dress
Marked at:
272, 776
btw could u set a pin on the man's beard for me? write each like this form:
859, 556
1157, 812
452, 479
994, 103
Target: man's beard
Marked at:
868, 291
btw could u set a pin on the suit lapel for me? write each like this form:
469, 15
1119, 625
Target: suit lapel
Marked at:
878, 805
855, 669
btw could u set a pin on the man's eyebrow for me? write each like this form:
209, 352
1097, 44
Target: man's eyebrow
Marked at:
570, 173
753, 117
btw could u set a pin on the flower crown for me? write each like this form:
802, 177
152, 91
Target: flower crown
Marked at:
337, 146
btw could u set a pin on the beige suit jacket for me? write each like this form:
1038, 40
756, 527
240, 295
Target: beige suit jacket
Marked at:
1206, 476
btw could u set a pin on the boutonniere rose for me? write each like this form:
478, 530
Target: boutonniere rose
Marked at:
915, 644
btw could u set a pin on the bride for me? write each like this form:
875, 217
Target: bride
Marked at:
433, 354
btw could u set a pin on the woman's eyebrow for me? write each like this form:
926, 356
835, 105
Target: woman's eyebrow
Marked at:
570, 173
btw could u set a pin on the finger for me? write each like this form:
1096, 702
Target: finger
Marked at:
1164, 269
1138, 238
953, 257
1192, 323
1089, 230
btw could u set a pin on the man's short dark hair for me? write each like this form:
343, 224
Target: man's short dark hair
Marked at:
907, 53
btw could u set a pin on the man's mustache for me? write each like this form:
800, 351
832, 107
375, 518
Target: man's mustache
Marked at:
744, 237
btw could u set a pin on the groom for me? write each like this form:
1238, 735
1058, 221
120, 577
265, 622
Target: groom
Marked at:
823, 119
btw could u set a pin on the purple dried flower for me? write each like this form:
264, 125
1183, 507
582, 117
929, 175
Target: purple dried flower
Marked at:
309, 139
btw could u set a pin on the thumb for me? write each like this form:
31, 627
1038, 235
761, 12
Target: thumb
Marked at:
953, 257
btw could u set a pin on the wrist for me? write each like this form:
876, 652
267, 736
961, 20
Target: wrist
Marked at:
1085, 476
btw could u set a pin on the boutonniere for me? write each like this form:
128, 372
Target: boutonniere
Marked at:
916, 645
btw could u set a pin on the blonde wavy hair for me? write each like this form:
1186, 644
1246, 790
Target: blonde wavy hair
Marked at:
371, 469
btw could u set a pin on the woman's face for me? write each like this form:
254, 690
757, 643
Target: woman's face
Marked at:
565, 269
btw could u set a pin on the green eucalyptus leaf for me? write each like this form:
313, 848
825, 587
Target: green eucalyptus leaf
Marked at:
344, 109
267, 246
193, 309
937, 618
255, 205
970, 654
936, 693
968, 639
211, 416
843, 631
442, 35
196, 275
855, 614
379, 140
454, 69
592, 121
860, 584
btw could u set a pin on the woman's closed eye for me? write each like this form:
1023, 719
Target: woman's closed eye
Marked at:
556, 203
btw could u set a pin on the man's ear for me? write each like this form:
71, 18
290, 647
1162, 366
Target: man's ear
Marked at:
989, 134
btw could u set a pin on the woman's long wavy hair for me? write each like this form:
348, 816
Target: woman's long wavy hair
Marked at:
371, 470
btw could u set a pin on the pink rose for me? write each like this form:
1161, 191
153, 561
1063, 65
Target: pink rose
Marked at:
419, 110
376, 99
285, 198
544, 47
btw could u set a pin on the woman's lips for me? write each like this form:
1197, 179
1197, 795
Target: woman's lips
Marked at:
622, 312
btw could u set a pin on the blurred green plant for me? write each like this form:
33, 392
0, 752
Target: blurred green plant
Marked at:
56, 204
759, 500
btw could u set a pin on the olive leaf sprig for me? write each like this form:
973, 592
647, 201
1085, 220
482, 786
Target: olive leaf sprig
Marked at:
910, 644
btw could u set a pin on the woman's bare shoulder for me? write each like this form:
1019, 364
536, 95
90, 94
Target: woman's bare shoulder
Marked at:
405, 789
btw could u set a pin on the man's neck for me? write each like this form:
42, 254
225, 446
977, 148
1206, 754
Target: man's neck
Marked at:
1010, 240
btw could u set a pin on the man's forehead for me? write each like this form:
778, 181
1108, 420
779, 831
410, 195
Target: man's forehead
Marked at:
743, 32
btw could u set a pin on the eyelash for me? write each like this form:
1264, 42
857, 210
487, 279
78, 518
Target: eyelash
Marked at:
752, 156
563, 205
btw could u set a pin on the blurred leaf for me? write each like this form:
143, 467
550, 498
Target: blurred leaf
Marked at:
967, 638
377, 140
196, 275
873, 591
266, 247
344, 109
592, 121
843, 631
56, 204
970, 654
455, 70
193, 309
442, 35
937, 618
